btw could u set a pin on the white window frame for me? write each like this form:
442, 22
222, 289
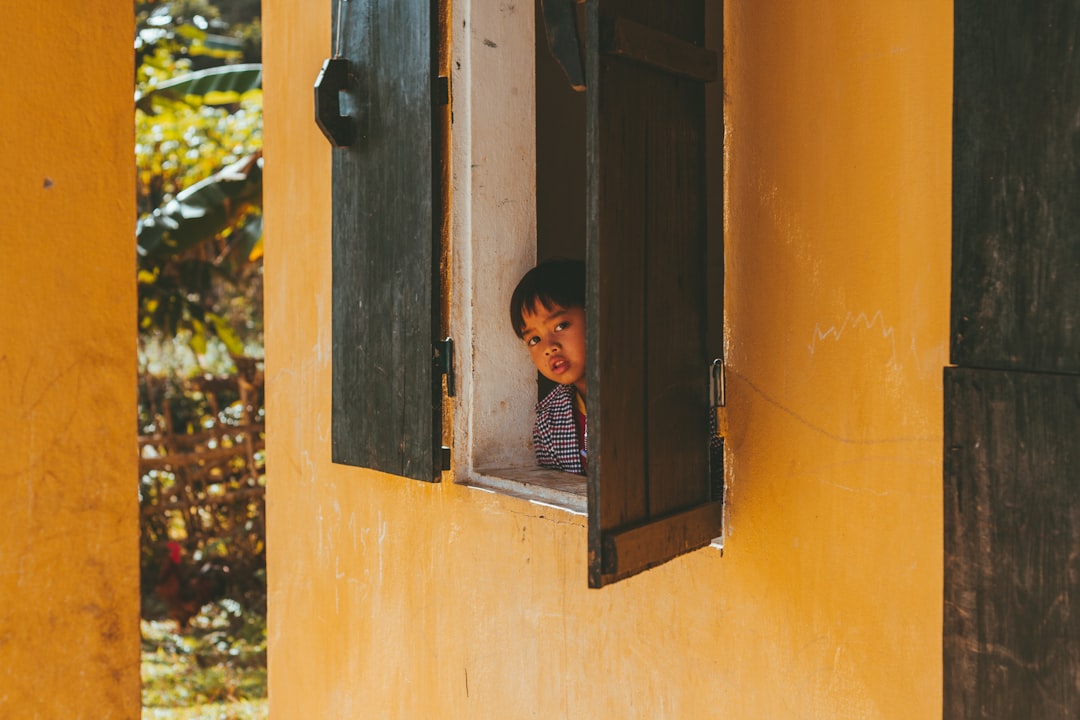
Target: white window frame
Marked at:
493, 243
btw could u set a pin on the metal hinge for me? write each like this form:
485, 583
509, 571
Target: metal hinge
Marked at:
443, 357
717, 428
442, 90
717, 384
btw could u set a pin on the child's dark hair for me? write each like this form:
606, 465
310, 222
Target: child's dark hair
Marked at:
553, 282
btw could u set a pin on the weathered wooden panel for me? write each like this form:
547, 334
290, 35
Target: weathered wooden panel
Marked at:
647, 249
386, 412
1012, 545
1016, 170
664, 52
560, 158
629, 551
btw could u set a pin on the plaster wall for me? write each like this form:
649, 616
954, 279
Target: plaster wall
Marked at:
69, 628
399, 599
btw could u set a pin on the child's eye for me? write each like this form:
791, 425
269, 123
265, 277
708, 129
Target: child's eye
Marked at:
530, 341
563, 325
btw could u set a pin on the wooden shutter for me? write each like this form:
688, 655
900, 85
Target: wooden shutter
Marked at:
1012, 406
649, 491
386, 234
1012, 544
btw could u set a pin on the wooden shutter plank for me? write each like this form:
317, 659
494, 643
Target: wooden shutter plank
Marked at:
676, 377
1016, 219
386, 411
622, 443
649, 489
643, 44
1012, 419
682, 19
1012, 544
629, 551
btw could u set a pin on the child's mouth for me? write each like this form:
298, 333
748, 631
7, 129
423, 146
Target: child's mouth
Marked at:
558, 365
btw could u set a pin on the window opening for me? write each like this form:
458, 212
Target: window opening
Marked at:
560, 163
649, 495
527, 189
530, 222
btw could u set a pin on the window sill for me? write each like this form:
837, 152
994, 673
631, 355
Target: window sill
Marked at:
542, 485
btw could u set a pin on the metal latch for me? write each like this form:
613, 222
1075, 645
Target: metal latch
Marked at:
443, 357
332, 81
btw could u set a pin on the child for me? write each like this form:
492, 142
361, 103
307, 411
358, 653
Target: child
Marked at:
547, 311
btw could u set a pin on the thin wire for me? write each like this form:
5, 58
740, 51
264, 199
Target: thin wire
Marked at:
340, 24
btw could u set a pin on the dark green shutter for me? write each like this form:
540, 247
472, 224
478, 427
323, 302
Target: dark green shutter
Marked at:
1012, 405
386, 392
650, 495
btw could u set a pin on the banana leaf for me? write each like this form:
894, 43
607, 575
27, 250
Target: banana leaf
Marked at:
201, 211
215, 86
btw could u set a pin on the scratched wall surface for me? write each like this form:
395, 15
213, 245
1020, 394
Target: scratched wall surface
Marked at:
393, 598
69, 631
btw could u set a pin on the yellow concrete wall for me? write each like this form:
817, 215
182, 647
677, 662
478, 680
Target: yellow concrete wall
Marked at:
396, 599
69, 629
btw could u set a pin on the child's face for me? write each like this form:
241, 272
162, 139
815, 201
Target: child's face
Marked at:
556, 341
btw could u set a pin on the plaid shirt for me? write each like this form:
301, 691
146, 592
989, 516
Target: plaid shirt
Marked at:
554, 434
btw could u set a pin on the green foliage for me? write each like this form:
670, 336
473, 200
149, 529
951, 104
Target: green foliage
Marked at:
198, 158
198, 162
215, 86
202, 212
218, 670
